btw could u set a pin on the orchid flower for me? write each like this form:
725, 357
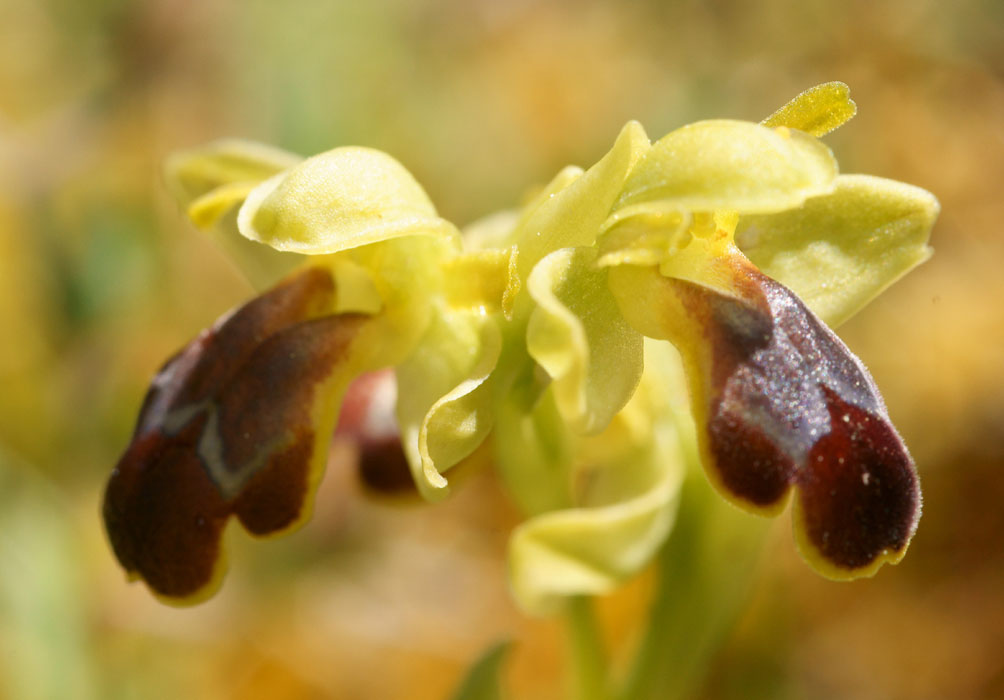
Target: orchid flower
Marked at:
542, 331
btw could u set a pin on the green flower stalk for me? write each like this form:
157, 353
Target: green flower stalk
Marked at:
542, 331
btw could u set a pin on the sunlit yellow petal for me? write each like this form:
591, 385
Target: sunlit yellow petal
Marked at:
733, 165
842, 249
406, 275
342, 199
625, 489
572, 216
444, 404
577, 334
261, 265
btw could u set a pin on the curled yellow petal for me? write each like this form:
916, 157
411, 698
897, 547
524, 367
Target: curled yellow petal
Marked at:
207, 210
193, 173
444, 404
572, 215
212, 181
261, 265
577, 334
625, 483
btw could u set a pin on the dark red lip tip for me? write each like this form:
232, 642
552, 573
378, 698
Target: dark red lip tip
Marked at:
859, 492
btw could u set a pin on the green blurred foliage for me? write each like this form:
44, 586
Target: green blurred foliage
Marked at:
101, 279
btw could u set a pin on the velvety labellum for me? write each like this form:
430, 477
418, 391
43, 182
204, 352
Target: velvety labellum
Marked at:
235, 424
787, 405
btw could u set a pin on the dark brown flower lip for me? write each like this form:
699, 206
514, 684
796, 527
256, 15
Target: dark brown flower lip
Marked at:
788, 406
236, 424
199, 369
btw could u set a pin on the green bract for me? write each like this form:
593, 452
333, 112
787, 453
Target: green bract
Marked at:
535, 329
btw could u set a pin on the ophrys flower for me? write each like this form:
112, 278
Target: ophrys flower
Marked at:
538, 329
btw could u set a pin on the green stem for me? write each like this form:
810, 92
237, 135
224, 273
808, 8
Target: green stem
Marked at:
706, 571
588, 656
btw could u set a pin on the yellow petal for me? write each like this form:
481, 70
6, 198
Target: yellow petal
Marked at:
577, 334
444, 404
842, 249
628, 480
207, 210
194, 173
733, 165
572, 215
261, 265
212, 181
406, 275
342, 199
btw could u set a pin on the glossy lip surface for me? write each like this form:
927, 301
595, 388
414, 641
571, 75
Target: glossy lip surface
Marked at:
788, 405
230, 427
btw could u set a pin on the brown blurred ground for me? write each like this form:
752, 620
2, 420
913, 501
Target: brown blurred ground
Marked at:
100, 279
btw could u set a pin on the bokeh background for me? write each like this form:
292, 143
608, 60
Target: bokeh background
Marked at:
101, 279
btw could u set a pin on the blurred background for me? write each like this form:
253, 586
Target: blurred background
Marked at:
101, 279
